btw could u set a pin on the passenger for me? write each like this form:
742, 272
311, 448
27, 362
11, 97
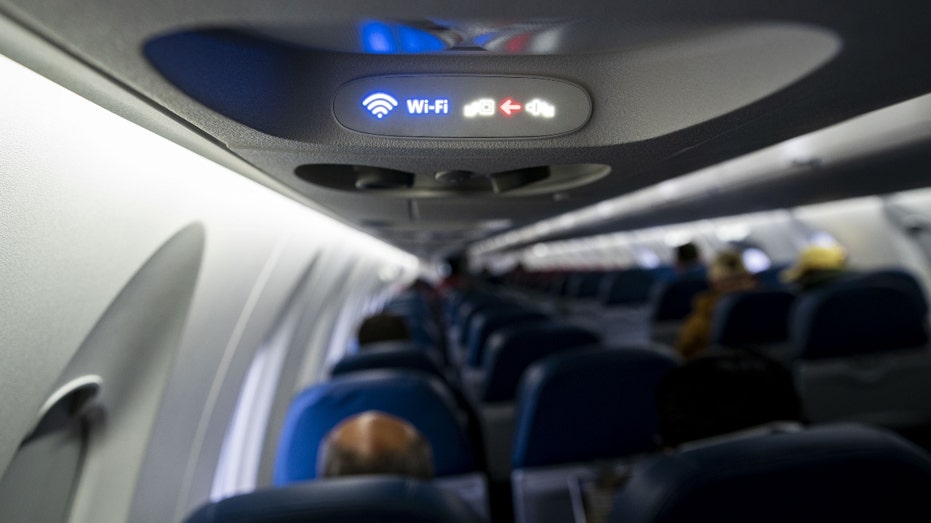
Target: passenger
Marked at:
723, 393
458, 278
817, 265
375, 443
727, 274
688, 258
383, 327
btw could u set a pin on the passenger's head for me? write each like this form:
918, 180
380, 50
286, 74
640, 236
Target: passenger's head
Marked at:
721, 393
375, 443
815, 265
728, 273
687, 256
383, 327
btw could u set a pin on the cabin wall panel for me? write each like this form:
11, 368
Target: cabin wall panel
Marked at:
85, 199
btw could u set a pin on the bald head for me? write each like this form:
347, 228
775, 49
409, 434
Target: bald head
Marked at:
375, 443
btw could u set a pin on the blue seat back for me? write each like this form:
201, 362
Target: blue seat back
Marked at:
630, 287
846, 473
584, 284
418, 398
771, 278
487, 322
470, 308
511, 350
672, 299
854, 317
752, 317
588, 405
347, 500
405, 358
898, 279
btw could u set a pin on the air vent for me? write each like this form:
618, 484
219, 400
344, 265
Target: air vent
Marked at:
529, 181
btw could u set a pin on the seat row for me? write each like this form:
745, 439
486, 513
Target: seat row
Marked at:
498, 395
852, 473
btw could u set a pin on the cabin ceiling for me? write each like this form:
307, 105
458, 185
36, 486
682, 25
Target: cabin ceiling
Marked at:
673, 87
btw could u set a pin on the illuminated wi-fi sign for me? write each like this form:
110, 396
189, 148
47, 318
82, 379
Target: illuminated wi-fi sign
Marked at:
379, 104
462, 106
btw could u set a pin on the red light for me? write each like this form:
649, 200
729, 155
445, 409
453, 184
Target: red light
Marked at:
508, 107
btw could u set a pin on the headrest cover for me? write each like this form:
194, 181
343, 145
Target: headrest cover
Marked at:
843, 473
588, 405
415, 397
347, 500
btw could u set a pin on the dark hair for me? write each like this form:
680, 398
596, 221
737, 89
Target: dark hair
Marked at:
687, 253
724, 392
383, 327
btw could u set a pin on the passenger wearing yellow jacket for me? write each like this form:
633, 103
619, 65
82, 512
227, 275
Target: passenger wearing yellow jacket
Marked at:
726, 274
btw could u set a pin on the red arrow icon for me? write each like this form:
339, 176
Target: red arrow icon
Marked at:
508, 107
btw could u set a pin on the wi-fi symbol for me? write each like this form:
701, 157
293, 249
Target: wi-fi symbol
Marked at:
380, 104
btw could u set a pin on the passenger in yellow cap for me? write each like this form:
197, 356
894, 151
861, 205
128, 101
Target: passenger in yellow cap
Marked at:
816, 266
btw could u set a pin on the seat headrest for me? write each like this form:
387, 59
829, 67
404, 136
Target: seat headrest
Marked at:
853, 318
409, 359
511, 350
347, 500
415, 397
846, 473
752, 317
630, 287
672, 300
899, 279
485, 324
485, 311
588, 405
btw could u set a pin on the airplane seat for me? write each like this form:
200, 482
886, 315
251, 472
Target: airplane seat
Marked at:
629, 287
670, 303
899, 279
558, 284
863, 355
487, 322
469, 307
844, 472
432, 351
581, 302
350, 499
388, 358
422, 400
468, 329
624, 318
771, 278
577, 413
584, 285
509, 352
417, 360
755, 319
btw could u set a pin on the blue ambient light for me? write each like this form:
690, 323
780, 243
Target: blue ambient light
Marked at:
392, 38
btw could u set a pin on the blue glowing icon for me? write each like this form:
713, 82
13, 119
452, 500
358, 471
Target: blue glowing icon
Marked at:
379, 104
